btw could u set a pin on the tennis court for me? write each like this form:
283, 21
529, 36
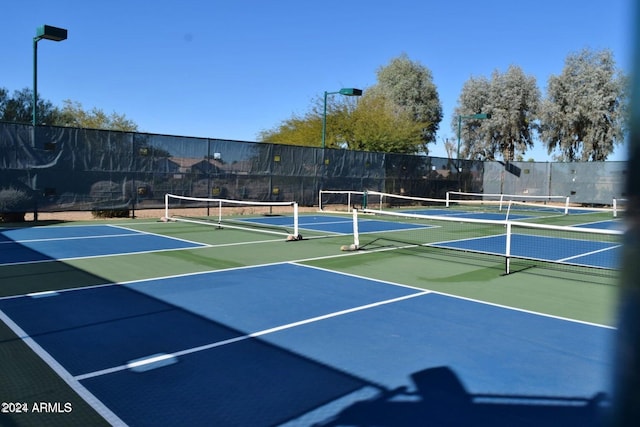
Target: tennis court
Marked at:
23, 245
145, 322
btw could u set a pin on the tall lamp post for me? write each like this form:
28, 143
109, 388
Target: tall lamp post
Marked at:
480, 116
49, 33
343, 91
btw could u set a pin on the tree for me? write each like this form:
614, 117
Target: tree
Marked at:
584, 111
307, 130
379, 125
73, 115
19, 108
512, 98
474, 99
400, 114
409, 86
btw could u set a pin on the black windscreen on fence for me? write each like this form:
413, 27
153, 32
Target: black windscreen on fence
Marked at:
62, 169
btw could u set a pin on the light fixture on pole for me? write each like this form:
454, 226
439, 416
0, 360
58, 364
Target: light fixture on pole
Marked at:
49, 33
343, 91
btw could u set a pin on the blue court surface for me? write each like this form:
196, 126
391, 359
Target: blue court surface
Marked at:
286, 344
334, 224
586, 253
605, 225
34, 244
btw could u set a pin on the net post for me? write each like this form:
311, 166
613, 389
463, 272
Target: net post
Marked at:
508, 249
296, 234
501, 201
566, 206
447, 198
166, 206
356, 236
356, 239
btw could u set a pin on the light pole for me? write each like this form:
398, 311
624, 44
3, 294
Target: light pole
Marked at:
43, 32
480, 116
343, 91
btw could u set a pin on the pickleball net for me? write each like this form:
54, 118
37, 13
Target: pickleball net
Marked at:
454, 202
235, 214
517, 245
521, 204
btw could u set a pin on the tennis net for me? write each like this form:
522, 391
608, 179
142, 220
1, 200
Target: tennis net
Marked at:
340, 200
235, 214
495, 209
531, 202
583, 247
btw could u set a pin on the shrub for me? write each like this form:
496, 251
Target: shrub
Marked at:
110, 213
14, 204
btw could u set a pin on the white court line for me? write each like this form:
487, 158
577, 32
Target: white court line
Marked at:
148, 233
588, 253
102, 256
301, 262
75, 385
54, 239
521, 310
257, 334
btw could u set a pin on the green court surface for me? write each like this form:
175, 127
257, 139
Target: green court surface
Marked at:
585, 295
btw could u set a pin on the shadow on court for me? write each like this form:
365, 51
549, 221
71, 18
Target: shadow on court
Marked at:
440, 399
231, 378
242, 381
24, 376
22, 279
228, 379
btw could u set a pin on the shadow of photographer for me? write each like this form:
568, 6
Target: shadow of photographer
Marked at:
440, 399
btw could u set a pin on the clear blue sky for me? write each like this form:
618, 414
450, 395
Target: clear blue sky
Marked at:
230, 69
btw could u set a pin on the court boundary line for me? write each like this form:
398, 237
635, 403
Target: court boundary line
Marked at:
443, 245
107, 414
148, 233
52, 239
301, 262
464, 298
65, 375
258, 334
589, 253
100, 256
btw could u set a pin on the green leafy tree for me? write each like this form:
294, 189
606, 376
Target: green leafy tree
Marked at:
73, 115
303, 131
19, 108
474, 99
584, 112
379, 125
399, 114
512, 98
306, 130
409, 86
